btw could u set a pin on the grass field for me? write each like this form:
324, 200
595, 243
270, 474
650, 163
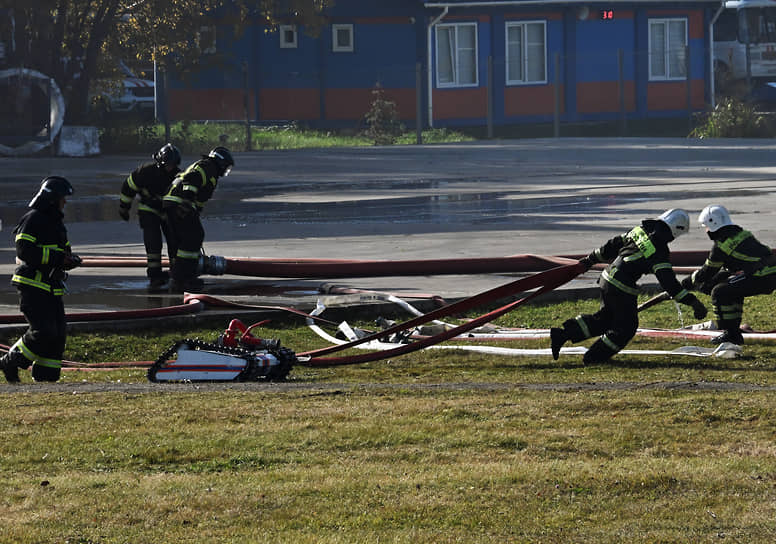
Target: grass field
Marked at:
198, 137
428, 447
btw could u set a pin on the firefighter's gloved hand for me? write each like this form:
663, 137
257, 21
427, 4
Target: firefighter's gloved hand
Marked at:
124, 213
71, 261
586, 262
699, 310
688, 284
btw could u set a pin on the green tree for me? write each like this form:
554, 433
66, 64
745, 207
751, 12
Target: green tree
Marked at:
78, 41
382, 120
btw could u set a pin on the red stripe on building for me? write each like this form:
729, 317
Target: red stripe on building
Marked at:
604, 97
378, 20
353, 104
672, 95
551, 15
227, 104
297, 104
460, 103
479, 18
531, 100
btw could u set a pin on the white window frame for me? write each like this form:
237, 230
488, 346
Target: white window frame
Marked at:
668, 50
336, 47
209, 32
456, 81
525, 60
283, 30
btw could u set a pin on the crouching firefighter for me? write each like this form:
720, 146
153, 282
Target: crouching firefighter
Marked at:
642, 250
43, 254
738, 266
182, 205
150, 182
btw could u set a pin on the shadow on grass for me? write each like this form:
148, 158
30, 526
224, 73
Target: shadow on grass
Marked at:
711, 364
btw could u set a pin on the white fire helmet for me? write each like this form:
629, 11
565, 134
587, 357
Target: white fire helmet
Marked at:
677, 220
714, 218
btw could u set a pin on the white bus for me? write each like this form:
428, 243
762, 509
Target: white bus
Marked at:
745, 23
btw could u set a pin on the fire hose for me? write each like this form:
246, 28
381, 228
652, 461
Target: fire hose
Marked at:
239, 356
188, 307
543, 282
657, 299
551, 277
342, 268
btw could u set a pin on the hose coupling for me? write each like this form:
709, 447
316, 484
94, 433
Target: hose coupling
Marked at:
213, 265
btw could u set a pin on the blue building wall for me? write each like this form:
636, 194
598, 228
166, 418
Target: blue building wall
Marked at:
314, 84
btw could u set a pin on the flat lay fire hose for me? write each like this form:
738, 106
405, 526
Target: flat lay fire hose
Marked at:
549, 273
542, 281
188, 307
361, 268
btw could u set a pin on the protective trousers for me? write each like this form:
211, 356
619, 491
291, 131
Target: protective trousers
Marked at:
727, 297
187, 234
44, 341
154, 226
615, 322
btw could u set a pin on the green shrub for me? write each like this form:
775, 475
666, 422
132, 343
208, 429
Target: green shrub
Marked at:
382, 119
732, 118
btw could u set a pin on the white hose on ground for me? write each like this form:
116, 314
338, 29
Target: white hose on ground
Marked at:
726, 351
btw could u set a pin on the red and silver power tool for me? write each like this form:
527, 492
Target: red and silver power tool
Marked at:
236, 356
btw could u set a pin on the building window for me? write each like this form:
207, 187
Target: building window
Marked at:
456, 55
667, 43
287, 36
526, 52
342, 38
206, 40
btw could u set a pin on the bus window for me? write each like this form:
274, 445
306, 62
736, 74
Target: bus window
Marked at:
757, 25
726, 27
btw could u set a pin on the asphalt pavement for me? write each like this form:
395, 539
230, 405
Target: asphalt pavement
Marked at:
451, 201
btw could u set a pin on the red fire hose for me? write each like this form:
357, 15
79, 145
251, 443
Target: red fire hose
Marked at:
544, 281
191, 306
343, 268
213, 301
553, 272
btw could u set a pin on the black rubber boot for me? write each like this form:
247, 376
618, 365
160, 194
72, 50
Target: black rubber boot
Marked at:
557, 339
731, 336
598, 353
42, 373
188, 285
10, 363
158, 280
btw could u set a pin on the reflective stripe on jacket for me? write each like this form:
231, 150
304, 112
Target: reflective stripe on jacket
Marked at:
150, 182
193, 187
41, 245
736, 250
642, 250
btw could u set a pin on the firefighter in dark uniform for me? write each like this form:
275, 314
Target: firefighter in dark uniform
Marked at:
182, 204
642, 250
151, 182
43, 254
738, 266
